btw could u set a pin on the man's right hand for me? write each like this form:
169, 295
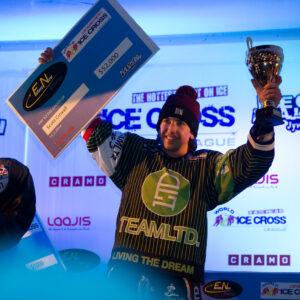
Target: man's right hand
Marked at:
46, 56
270, 91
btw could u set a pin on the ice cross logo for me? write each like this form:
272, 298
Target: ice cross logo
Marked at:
290, 109
166, 193
224, 220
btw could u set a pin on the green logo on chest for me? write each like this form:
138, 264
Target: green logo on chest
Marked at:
166, 192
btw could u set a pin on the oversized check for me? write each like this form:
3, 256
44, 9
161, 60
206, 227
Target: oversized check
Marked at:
91, 63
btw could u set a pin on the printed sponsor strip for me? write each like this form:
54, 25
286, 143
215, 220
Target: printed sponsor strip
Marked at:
42, 263
157, 96
86, 34
65, 109
112, 58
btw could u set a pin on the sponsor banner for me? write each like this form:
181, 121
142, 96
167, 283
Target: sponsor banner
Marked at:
158, 96
133, 118
283, 260
77, 181
280, 290
217, 122
92, 62
69, 223
255, 285
272, 219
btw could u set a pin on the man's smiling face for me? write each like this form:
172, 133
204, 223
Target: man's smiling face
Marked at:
175, 135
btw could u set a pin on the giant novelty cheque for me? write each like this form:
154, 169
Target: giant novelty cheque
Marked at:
91, 63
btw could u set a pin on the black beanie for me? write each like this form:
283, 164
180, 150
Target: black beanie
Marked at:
17, 201
184, 106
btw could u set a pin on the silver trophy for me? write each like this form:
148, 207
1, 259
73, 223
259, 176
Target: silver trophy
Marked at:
264, 62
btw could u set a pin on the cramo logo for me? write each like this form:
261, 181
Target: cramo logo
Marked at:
69, 221
290, 109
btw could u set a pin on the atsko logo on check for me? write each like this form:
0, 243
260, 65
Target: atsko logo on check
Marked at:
92, 62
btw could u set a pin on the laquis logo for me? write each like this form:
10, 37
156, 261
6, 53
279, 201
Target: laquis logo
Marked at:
44, 86
69, 221
290, 109
269, 180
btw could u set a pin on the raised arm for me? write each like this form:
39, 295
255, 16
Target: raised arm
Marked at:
240, 168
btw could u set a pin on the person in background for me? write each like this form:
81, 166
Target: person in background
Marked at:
17, 202
167, 188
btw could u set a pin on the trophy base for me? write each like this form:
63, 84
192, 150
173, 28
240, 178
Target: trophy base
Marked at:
269, 116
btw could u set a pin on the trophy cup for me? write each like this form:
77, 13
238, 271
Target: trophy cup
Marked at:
264, 62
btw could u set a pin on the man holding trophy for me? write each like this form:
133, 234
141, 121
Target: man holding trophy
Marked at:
168, 186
